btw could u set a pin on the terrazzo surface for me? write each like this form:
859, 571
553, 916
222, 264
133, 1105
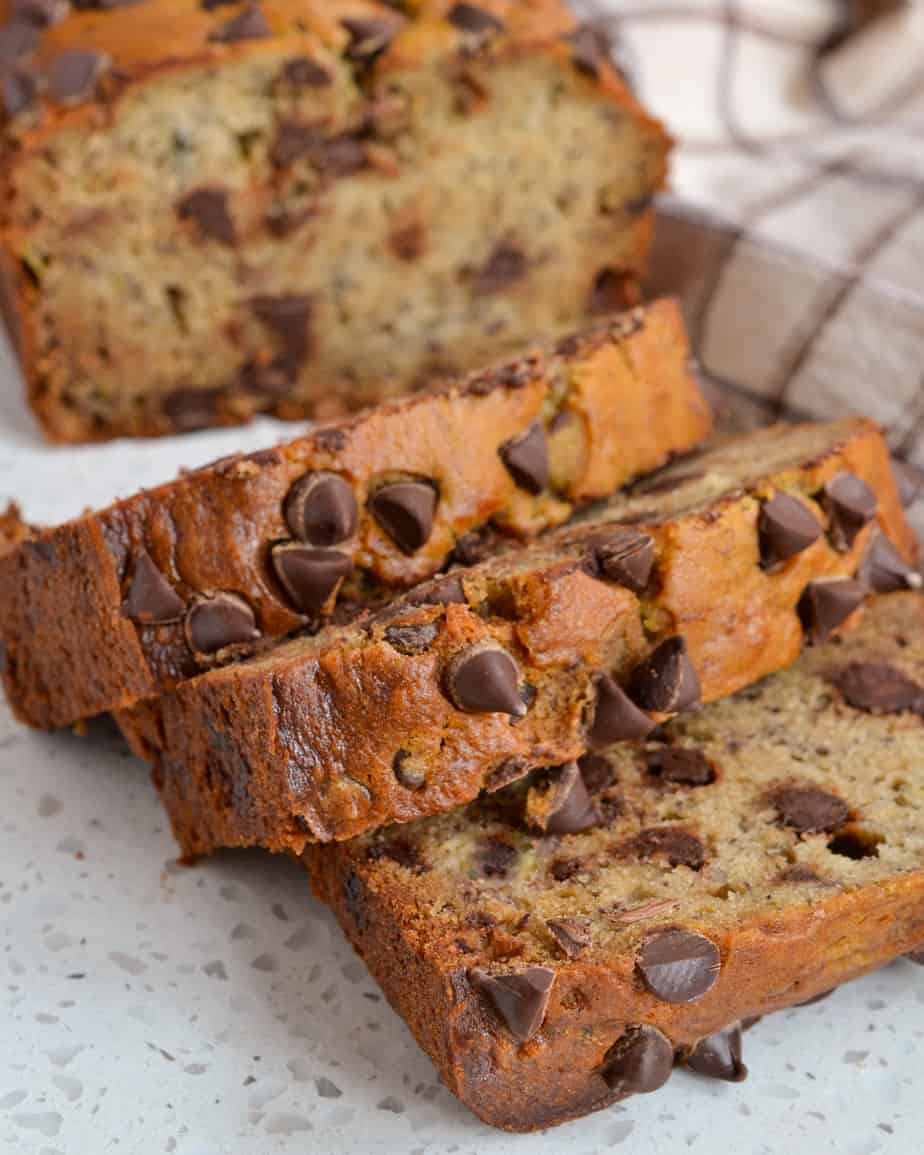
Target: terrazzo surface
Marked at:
216, 1010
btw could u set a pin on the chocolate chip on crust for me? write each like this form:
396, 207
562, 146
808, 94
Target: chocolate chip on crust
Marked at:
220, 620
527, 458
249, 24
484, 679
679, 966
321, 509
558, 802
640, 1061
441, 592
151, 599
405, 510
469, 18
73, 76
884, 569
625, 556
786, 527
878, 688
827, 603
809, 810
681, 765
719, 1056
616, 716
573, 935
310, 576
666, 681
520, 999
412, 639
850, 504
208, 207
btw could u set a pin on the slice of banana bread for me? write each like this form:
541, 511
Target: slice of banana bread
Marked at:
558, 945
704, 581
121, 604
303, 206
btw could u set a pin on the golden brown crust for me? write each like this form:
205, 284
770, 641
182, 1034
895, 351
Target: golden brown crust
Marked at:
423, 919
141, 48
618, 402
333, 722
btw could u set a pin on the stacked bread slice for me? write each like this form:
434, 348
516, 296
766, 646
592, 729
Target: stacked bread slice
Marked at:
588, 776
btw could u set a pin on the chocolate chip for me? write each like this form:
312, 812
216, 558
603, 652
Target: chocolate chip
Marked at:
558, 803
719, 1056
415, 639
640, 1061
250, 24
679, 966
504, 267
681, 765
561, 869
289, 317
151, 598
408, 775
368, 38
208, 208
442, 592
785, 527
624, 556
321, 509
519, 999
41, 13
18, 39
527, 458
589, 49
496, 857
850, 504
224, 619
809, 810
478, 21
483, 679
268, 379
311, 577
340, 155
884, 569
302, 72
598, 772
827, 604
616, 717
677, 846
190, 409
476, 546
18, 90
610, 292
400, 851
405, 510
878, 688
572, 934
73, 76
666, 681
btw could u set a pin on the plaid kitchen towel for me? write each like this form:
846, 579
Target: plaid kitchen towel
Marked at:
794, 229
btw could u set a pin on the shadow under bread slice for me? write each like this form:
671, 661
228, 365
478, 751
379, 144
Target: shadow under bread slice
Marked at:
559, 945
121, 604
707, 579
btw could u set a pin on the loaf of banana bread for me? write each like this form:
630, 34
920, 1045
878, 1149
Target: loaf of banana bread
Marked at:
708, 578
210, 208
557, 946
121, 604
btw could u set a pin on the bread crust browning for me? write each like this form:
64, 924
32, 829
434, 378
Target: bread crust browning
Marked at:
62, 602
328, 719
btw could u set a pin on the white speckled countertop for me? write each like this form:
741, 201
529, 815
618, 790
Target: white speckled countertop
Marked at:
216, 1010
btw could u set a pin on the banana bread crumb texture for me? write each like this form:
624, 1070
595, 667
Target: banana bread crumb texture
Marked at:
558, 945
303, 206
704, 580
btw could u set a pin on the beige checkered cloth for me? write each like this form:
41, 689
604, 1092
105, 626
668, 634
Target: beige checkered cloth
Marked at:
794, 231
